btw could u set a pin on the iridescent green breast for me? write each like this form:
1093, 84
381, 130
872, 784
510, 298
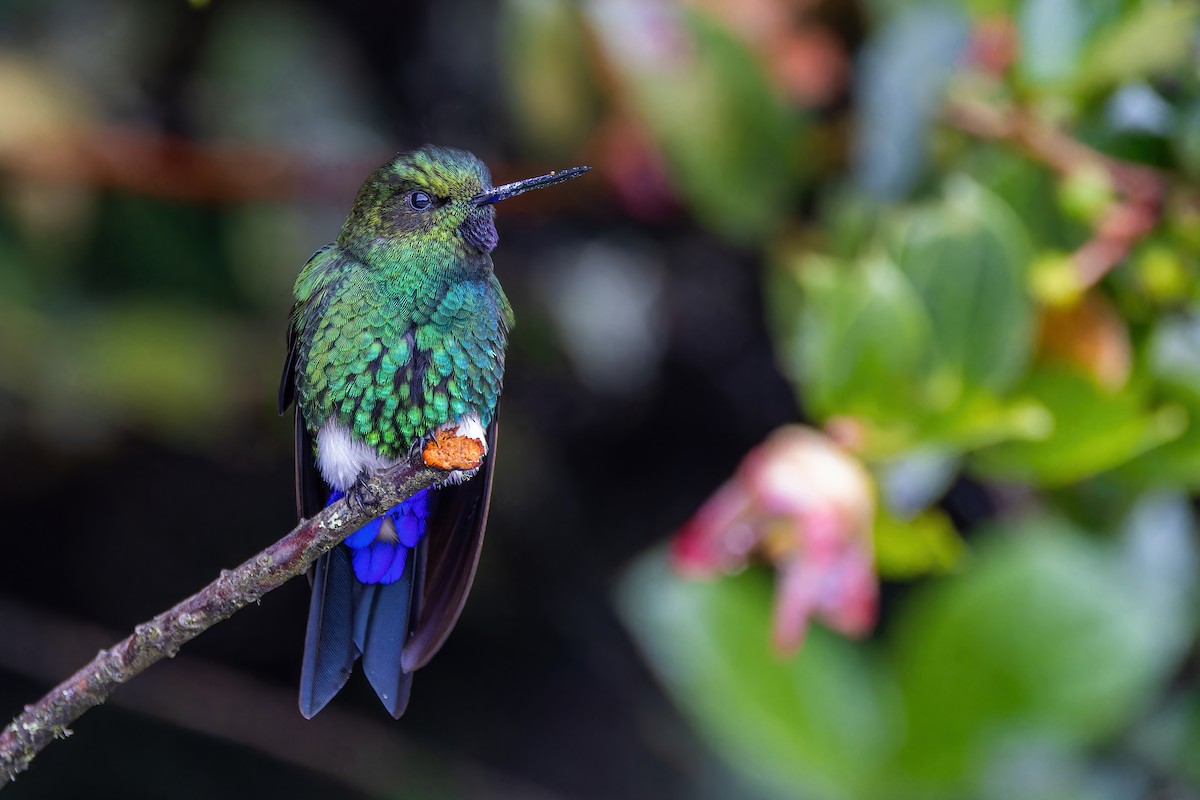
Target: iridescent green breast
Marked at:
393, 355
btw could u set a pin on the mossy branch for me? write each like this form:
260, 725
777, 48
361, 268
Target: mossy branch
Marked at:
161, 637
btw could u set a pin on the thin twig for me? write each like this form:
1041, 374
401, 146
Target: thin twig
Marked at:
1142, 189
161, 637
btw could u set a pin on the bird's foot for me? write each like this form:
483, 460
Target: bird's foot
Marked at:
359, 494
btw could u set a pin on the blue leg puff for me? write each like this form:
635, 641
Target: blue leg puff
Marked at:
381, 546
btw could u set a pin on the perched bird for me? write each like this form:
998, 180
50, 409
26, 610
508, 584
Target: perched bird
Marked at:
398, 332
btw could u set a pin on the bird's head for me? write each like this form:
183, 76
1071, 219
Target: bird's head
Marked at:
433, 195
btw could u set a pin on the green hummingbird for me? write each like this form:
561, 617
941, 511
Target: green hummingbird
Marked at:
398, 332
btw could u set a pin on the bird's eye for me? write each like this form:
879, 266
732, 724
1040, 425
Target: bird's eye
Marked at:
420, 201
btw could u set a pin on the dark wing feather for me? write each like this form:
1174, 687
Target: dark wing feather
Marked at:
329, 651
287, 381
452, 544
312, 493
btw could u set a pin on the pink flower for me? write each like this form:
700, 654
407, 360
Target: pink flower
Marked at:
805, 505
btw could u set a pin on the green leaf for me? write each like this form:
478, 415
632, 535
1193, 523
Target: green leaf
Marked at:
980, 419
926, 543
815, 725
1093, 430
1152, 39
917, 346
1028, 188
1051, 634
966, 258
1175, 464
849, 220
727, 137
1173, 355
855, 336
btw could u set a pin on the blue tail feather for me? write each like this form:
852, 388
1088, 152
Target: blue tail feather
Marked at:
361, 606
384, 634
329, 652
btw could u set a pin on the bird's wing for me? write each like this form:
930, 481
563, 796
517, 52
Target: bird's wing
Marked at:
312, 494
287, 381
447, 559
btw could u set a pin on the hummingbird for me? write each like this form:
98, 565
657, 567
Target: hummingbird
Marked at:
398, 332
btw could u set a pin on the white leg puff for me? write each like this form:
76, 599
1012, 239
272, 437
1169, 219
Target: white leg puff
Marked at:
342, 458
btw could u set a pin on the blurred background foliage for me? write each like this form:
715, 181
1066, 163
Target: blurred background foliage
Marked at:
958, 240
